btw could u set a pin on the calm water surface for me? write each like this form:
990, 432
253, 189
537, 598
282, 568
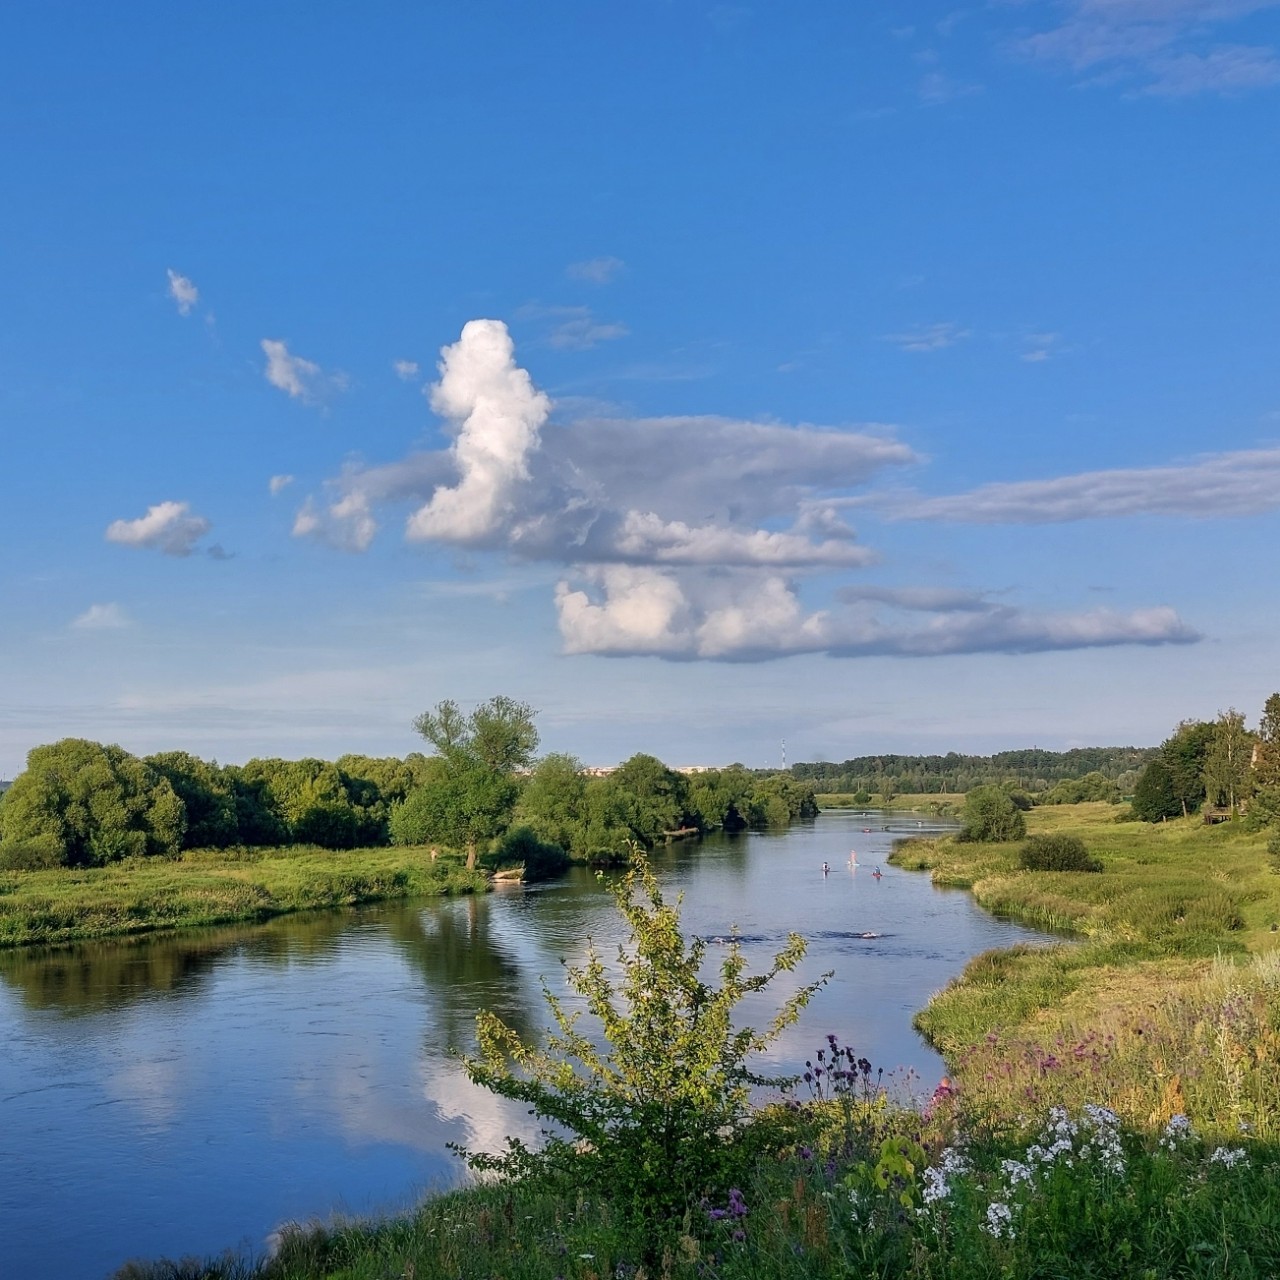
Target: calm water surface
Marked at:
189, 1094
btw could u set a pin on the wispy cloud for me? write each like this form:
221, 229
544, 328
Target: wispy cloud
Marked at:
298, 378
406, 370
1225, 484
936, 88
1039, 347
572, 328
596, 270
102, 617
277, 484
1163, 47
183, 292
934, 337
170, 527
1227, 69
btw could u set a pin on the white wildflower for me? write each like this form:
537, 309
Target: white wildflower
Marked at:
1016, 1171
999, 1220
1228, 1157
1177, 1133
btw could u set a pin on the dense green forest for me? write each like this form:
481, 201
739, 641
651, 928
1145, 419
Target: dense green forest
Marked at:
1030, 769
80, 803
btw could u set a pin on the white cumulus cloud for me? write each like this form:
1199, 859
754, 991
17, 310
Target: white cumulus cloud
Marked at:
170, 527
496, 413
183, 292
753, 616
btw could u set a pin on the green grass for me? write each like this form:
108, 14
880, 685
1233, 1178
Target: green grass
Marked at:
846, 1195
207, 887
1168, 999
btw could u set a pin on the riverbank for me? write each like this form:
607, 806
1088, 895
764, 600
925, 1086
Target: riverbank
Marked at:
1167, 1001
210, 888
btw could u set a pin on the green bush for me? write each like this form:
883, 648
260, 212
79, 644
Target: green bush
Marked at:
36, 853
989, 814
655, 1112
1057, 853
521, 846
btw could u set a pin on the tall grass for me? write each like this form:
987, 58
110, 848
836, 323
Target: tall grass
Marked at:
204, 888
1168, 1000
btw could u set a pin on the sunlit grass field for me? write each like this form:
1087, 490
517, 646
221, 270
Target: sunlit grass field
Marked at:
215, 887
1167, 998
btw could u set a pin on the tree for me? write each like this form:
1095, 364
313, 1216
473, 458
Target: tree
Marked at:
554, 802
207, 795
1228, 761
79, 803
1184, 753
1093, 786
989, 814
480, 754
1153, 794
658, 1117
1267, 764
653, 797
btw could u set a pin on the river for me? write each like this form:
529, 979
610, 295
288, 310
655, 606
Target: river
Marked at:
187, 1094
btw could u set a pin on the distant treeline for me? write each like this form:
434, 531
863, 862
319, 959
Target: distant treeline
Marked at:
80, 803
1032, 770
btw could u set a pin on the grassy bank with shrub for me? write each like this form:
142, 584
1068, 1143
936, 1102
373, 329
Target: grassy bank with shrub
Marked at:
215, 887
663, 1169
1166, 1001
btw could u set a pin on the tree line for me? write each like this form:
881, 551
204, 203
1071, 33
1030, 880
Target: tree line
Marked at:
1032, 770
1221, 765
483, 791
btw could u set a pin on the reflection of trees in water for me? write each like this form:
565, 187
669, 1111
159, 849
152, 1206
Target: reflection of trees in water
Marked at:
450, 944
89, 976
454, 947
85, 977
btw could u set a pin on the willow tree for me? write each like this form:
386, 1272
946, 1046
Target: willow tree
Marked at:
471, 797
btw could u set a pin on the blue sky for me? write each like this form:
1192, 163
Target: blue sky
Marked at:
873, 377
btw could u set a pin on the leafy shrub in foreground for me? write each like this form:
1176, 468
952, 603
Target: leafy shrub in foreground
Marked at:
661, 1116
1057, 853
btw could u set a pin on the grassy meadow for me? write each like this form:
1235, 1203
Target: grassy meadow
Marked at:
215, 887
1166, 1000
